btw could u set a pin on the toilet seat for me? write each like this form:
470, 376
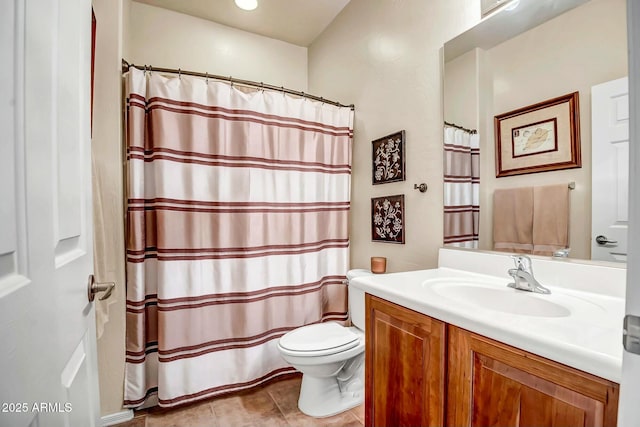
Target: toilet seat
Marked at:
319, 339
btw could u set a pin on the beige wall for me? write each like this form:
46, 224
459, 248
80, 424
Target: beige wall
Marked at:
581, 48
108, 200
386, 58
164, 38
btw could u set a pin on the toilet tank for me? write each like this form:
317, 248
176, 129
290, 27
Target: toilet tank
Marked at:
356, 298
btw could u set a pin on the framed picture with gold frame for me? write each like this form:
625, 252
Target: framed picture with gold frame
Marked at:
539, 138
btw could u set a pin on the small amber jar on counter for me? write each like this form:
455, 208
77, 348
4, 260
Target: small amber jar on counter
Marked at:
378, 264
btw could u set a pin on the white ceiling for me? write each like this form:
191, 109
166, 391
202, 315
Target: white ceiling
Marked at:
294, 21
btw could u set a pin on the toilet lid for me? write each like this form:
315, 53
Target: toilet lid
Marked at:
320, 336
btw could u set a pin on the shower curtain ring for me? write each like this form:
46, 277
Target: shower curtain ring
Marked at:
231, 80
206, 78
261, 86
179, 74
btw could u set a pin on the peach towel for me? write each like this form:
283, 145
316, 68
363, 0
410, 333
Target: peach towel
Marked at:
513, 220
550, 218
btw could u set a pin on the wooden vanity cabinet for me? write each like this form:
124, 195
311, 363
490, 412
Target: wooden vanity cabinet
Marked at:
493, 384
405, 360
413, 362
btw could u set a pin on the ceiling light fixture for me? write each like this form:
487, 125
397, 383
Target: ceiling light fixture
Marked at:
247, 4
512, 5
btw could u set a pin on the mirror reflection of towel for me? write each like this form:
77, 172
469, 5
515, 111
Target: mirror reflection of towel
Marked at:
532, 220
550, 218
513, 220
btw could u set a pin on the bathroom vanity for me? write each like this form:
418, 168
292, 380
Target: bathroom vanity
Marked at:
455, 346
413, 361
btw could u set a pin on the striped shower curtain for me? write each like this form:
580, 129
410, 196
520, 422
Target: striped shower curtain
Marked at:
237, 232
461, 187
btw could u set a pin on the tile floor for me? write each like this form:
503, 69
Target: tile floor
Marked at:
272, 404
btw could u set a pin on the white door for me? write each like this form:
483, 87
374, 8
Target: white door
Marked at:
629, 409
48, 368
610, 170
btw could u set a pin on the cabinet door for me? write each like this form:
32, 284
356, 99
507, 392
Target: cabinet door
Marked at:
405, 357
492, 384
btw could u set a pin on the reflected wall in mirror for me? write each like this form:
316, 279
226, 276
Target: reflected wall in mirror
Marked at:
509, 61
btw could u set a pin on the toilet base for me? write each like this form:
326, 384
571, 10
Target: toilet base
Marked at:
321, 397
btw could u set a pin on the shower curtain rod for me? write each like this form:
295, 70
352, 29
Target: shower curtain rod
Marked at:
453, 125
126, 65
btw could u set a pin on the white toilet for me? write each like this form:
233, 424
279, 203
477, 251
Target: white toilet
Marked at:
331, 359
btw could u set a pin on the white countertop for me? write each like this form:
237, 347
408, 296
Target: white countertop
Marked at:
589, 338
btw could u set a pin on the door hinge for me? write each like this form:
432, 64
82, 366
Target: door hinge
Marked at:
631, 334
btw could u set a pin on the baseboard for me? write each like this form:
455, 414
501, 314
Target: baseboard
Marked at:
117, 418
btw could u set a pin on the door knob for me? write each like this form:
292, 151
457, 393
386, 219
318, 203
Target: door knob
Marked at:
94, 287
602, 240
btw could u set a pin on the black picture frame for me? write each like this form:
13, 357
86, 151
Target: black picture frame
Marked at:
388, 219
388, 158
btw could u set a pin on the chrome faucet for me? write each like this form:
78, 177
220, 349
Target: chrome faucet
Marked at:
561, 253
523, 276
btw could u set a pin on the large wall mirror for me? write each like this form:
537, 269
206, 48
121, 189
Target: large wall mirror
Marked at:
535, 50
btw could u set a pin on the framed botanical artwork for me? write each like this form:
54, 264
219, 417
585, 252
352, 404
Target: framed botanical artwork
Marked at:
539, 138
387, 219
388, 158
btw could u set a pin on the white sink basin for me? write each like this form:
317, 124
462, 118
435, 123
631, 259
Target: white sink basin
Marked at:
497, 298
506, 300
